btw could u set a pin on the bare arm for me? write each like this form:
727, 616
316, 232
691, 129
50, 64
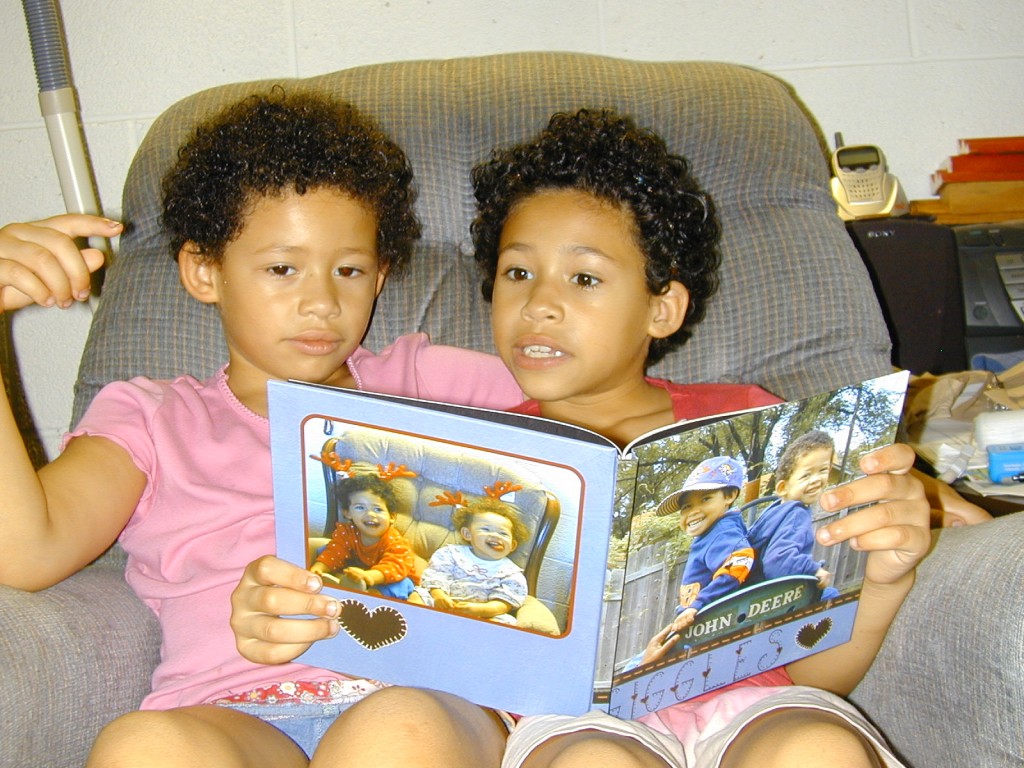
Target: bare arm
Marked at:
55, 522
88, 495
895, 531
368, 577
482, 610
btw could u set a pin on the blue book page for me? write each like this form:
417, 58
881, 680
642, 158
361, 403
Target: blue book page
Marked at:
544, 662
763, 614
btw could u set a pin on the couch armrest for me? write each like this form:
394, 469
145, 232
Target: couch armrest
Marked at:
948, 686
74, 657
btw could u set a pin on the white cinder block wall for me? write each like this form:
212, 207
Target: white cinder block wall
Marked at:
912, 76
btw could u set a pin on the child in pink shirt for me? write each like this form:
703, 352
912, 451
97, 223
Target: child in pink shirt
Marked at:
287, 213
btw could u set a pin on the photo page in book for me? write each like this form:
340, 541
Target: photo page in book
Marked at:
508, 527
713, 547
476, 551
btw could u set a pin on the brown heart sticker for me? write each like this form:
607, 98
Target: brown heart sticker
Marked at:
374, 629
810, 635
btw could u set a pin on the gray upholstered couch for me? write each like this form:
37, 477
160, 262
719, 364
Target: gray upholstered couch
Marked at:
795, 314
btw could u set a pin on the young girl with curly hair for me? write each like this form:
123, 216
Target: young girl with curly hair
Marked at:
600, 253
286, 212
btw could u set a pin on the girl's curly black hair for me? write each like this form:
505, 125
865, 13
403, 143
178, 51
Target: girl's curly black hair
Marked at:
273, 143
607, 155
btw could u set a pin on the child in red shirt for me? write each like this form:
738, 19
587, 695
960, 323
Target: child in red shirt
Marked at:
368, 549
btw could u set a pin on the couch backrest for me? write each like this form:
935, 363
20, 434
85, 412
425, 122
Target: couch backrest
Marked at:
795, 313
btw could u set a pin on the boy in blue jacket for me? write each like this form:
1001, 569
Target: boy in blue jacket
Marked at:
783, 535
721, 556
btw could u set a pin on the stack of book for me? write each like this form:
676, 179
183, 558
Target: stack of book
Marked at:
983, 183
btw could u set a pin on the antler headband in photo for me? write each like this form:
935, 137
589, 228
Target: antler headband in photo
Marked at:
456, 499
346, 466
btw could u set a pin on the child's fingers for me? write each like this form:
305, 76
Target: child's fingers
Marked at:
897, 525
284, 601
31, 273
662, 633
897, 458
271, 588
683, 620
659, 644
41, 263
971, 515
276, 587
666, 637
81, 225
894, 551
19, 287
888, 500
895, 534
275, 640
358, 575
871, 489
949, 508
274, 572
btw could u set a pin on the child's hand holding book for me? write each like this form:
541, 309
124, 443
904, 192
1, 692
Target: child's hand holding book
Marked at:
895, 528
271, 589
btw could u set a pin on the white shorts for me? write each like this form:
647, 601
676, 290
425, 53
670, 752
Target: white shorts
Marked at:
694, 734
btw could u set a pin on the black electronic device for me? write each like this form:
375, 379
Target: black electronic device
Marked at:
991, 261
913, 266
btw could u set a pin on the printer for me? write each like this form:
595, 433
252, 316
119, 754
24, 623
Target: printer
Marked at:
991, 262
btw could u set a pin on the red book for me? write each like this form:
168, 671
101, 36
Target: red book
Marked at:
940, 178
995, 163
992, 144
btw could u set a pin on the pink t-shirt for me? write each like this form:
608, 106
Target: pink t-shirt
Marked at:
413, 367
207, 510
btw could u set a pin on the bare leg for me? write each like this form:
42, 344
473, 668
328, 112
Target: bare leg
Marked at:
193, 736
400, 727
805, 737
590, 748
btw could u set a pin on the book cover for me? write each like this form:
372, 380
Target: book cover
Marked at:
983, 196
991, 144
997, 162
940, 178
603, 551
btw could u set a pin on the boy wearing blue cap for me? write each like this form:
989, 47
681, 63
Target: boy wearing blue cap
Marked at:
721, 556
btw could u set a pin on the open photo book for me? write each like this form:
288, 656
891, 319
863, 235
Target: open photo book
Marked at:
533, 566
